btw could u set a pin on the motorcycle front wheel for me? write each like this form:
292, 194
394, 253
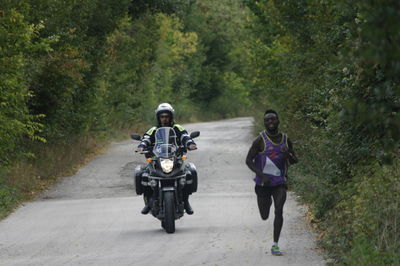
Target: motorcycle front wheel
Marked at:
169, 211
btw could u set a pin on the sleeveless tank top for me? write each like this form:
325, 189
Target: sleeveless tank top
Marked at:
271, 161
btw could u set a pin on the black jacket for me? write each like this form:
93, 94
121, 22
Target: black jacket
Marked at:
182, 137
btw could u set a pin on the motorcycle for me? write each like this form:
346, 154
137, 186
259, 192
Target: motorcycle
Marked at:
168, 175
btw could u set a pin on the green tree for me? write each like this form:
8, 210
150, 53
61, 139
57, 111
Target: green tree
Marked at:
224, 80
16, 42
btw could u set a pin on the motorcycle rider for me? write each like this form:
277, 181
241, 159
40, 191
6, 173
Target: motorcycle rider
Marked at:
165, 118
269, 157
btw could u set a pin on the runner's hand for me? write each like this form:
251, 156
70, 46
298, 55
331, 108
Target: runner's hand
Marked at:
265, 180
286, 152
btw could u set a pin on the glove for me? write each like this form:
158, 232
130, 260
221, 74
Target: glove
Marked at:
140, 149
192, 147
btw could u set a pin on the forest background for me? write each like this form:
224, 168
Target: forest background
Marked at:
77, 73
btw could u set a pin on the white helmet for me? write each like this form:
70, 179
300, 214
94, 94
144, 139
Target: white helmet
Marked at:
165, 108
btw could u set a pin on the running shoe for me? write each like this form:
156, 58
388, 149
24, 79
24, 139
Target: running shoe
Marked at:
275, 251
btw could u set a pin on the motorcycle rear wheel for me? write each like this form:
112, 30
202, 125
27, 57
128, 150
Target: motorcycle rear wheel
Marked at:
169, 211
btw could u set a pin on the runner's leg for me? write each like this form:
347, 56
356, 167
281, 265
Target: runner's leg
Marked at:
279, 196
264, 204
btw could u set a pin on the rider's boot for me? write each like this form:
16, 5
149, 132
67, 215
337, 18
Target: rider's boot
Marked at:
187, 206
146, 209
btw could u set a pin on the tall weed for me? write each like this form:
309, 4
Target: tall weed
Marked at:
27, 178
364, 227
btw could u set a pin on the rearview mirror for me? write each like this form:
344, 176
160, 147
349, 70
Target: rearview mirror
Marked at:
195, 134
136, 137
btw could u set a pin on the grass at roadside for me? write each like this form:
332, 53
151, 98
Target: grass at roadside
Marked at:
28, 178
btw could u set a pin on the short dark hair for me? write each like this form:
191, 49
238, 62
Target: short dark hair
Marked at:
270, 111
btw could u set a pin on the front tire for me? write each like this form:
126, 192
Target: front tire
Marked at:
169, 211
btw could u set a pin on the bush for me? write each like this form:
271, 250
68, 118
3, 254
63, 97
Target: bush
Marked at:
8, 198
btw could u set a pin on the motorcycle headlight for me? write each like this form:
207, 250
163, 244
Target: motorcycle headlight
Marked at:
167, 165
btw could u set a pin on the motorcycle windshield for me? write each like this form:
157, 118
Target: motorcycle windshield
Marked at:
165, 142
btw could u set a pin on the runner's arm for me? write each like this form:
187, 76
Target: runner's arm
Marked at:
255, 148
291, 155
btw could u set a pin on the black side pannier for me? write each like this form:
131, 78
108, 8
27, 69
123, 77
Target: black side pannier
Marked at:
139, 170
191, 178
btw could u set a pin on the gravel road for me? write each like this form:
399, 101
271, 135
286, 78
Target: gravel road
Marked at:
93, 217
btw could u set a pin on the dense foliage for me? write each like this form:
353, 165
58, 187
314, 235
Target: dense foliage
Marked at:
76, 70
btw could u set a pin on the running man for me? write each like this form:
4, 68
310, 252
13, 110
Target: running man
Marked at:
269, 157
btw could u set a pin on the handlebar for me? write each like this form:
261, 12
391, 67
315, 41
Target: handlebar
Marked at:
180, 150
143, 152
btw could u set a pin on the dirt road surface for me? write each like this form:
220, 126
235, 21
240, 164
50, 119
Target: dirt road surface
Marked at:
93, 217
